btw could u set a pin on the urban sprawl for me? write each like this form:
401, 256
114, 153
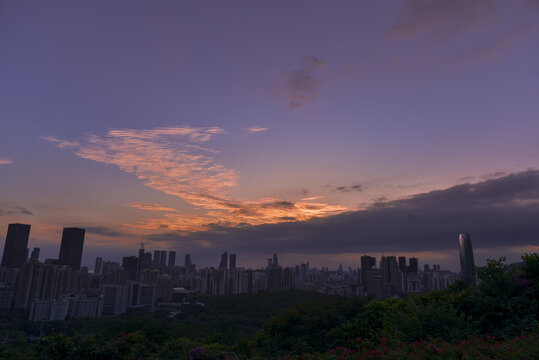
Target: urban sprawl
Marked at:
57, 289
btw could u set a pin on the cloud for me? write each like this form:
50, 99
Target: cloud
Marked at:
312, 198
441, 21
242, 214
151, 207
497, 212
10, 208
494, 48
256, 129
300, 86
166, 159
104, 230
172, 160
6, 162
356, 187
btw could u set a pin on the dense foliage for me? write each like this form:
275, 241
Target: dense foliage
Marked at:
497, 319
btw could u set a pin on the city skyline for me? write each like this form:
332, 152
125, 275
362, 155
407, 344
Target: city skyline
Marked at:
71, 250
321, 133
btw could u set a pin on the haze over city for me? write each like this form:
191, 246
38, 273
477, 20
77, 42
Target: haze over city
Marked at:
318, 133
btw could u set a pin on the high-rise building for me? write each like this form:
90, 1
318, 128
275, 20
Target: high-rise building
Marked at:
71, 247
224, 261
163, 261
402, 264
98, 265
367, 263
35, 254
156, 258
232, 261
413, 267
172, 258
130, 264
467, 265
14, 255
275, 260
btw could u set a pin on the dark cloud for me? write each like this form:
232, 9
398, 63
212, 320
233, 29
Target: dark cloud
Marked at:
302, 84
10, 208
279, 205
103, 230
355, 187
442, 20
496, 212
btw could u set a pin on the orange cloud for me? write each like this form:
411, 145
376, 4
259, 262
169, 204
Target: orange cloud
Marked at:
256, 129
151, 207
6, 162
172, 161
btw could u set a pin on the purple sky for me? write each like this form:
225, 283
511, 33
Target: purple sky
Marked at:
194, 122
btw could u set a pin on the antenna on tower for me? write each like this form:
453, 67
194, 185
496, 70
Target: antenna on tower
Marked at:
142, 242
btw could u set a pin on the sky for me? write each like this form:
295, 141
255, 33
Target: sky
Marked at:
320, 131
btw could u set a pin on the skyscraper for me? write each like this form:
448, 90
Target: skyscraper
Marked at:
232, 261
467, 265
171, 258
224, 261
402, 264
163, 261
413, 267
130, 264
35, 254
156, 258
15, 247
71, 247
98, 265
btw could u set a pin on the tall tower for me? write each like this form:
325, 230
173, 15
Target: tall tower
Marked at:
15, 247
467, 265
232, 261
71, 247
224, 261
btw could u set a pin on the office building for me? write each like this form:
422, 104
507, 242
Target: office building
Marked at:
163, 261
156, 258
172, 258
467, 265
15, 248
402, 264
224, 261
98, 265
232, 261
413, 267
130, 264
71, 247
35, 254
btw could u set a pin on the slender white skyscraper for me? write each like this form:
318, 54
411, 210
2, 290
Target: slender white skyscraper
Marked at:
467, 265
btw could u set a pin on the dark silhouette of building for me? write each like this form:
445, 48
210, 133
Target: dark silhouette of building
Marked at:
224, 261
402, 264
367, 263
15, 248
172, 258
156, 258
130, 264
98, 265
413, 267
35, 254
163, 261
71, 247
467, 265
232, 261
275, 275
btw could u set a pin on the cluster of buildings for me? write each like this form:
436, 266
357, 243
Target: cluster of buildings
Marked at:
61, 288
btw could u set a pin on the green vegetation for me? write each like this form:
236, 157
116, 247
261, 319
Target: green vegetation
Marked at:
497, 319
